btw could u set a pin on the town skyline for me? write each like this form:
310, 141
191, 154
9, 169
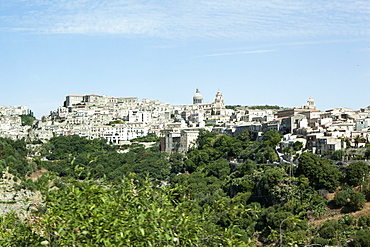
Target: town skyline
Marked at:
272, 52
119, 120
209, 98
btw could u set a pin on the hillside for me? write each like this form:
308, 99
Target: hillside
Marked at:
221, 193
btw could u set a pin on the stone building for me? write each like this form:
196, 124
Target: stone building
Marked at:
197, 98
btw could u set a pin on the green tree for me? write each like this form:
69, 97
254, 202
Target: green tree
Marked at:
321, 173
367, 152
357, 139
227, 146
177, 163
338, 154
245, 136
270, 154
357, 173
271, 138
205, 139
219, 168
297, 145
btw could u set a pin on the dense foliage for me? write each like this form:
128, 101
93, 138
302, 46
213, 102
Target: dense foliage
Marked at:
321, 173
151, 137
74, 156
127, 215
224, 192
27, 119
263, 107
13, 156
66, 146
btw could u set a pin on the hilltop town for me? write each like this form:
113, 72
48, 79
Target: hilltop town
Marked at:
241, 175
119, 120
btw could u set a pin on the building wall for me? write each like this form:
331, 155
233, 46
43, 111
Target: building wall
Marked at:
73, 99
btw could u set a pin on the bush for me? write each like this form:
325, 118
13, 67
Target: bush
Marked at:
298, 236
25, 185
348, 220
320, 240
338, 154
357, 201
341, 198
327, 232
367, 194
364, 220
361, 239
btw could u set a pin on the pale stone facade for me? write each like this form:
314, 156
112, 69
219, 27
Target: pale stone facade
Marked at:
121, 119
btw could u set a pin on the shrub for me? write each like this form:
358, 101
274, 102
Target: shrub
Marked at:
361, 239
327, 232
364, 220
320, 240
341, 198
348, 220
357, 201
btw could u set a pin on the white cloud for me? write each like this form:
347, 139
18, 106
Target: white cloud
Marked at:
236, 53
204, 19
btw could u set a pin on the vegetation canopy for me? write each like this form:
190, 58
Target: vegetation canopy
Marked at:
226, 191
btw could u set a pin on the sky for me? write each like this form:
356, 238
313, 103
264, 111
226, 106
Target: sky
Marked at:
274, 52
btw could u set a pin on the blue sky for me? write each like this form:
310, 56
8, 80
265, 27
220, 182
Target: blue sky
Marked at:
277, 52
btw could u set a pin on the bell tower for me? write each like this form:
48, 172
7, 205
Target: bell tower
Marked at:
311, 104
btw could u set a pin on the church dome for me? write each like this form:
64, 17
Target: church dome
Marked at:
197, 98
